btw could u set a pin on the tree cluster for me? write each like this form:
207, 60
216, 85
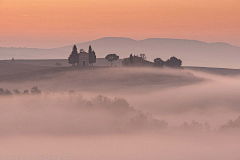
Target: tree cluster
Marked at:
173, 62
34, 90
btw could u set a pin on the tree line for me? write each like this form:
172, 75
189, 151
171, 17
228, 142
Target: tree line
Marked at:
34, 90
173, 62
73, 59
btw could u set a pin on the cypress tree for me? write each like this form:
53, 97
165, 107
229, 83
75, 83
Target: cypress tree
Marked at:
74, 56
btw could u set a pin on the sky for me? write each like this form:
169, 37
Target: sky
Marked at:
56, 23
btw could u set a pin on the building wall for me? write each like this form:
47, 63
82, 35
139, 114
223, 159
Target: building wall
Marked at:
83, 57
137, 61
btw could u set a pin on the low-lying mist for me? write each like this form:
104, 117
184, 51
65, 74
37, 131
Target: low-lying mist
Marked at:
122, 113
60, 114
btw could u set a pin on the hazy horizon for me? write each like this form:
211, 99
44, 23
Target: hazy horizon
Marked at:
47, 24
67, 44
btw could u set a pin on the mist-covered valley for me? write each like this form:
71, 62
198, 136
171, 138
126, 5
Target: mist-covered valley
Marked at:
120, 113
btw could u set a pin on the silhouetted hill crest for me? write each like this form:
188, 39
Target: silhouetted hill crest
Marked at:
191, 52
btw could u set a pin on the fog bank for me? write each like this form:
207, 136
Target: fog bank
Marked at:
122, 113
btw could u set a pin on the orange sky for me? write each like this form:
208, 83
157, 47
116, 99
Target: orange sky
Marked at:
53, 23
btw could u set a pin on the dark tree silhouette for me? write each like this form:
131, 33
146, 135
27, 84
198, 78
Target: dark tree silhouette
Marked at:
71, 92
5, 92
35, 90
74, 56
158, 62
131, 58
143, 56
25, 92
2, 92
16, 91
90, 49
111, 58
173, 62
92, 56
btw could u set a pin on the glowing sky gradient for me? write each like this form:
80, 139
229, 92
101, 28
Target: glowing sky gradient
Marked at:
53, 23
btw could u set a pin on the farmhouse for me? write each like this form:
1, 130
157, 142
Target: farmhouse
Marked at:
136, 61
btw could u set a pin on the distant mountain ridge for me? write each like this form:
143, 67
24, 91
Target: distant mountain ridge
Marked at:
191, 52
